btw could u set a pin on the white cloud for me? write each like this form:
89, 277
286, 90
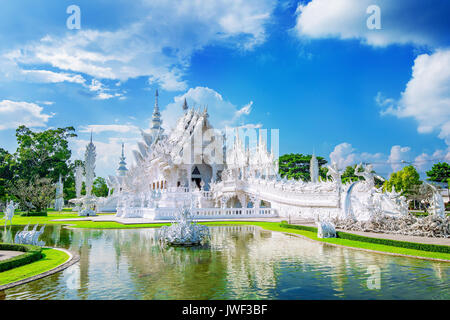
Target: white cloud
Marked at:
99, 128
397, 156
158, 46
427, 95
222, 113
16, 113
103, 93
425, 161
402, 21
343, 155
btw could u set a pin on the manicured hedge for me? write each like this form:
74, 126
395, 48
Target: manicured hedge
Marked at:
387, 242
34, 214
32, 253
395, 243
292, 226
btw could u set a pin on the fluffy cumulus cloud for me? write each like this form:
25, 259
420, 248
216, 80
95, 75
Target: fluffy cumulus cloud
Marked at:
427, 95
424, 161
120, 128
222, 113
158, 45
344, 154
402, 21
16, 113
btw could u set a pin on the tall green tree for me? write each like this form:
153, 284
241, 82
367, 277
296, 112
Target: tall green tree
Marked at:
45, 154
440, 172
100, 188
296, 166
407, 180
7, 169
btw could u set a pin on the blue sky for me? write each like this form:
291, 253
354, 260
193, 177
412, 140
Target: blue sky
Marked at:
311, 69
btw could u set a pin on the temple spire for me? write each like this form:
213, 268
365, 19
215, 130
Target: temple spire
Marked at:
156, 118
185, 105
122, 169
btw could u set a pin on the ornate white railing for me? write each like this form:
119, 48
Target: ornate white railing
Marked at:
198, 213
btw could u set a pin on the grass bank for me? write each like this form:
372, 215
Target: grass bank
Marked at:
51, 258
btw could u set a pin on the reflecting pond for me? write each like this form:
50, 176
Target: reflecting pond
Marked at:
241, 262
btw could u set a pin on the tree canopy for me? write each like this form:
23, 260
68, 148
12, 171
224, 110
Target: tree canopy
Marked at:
45, 154
296, 166
407, 180
440, 172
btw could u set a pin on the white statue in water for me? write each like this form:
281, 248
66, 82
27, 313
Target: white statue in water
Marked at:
30, 237
9, 212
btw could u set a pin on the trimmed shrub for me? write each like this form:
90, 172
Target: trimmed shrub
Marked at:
32, 253
395, 243
292, 226
34, 214
387, 242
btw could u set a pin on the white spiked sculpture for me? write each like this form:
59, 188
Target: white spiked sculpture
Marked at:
78, 185
59, 200
89, 201
314, 169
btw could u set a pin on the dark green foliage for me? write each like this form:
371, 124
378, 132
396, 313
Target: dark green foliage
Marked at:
296, 166
34, 214
99, 188
44, 153
32, 253
7, 167
440, 172
292, 226
395, 243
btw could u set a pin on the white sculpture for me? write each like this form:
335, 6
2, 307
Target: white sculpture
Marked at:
30, 237
314, 169
59, 200
184, 231
437, 206
78, 185
9, 212
89, 201
325, 229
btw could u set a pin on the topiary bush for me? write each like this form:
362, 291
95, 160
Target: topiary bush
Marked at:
32, 253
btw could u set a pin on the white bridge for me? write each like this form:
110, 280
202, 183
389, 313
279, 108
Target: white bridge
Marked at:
197, 213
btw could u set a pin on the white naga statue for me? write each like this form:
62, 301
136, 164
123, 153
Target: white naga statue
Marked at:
9, 212
325, 229
30, 237
59, 200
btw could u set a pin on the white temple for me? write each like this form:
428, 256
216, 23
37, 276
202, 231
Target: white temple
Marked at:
194, 165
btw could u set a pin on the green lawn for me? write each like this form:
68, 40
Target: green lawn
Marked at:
51, 259
272, 226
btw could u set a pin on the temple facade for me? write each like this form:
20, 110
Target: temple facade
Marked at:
228, 176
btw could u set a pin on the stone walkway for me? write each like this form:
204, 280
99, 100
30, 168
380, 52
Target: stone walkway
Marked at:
5, 254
